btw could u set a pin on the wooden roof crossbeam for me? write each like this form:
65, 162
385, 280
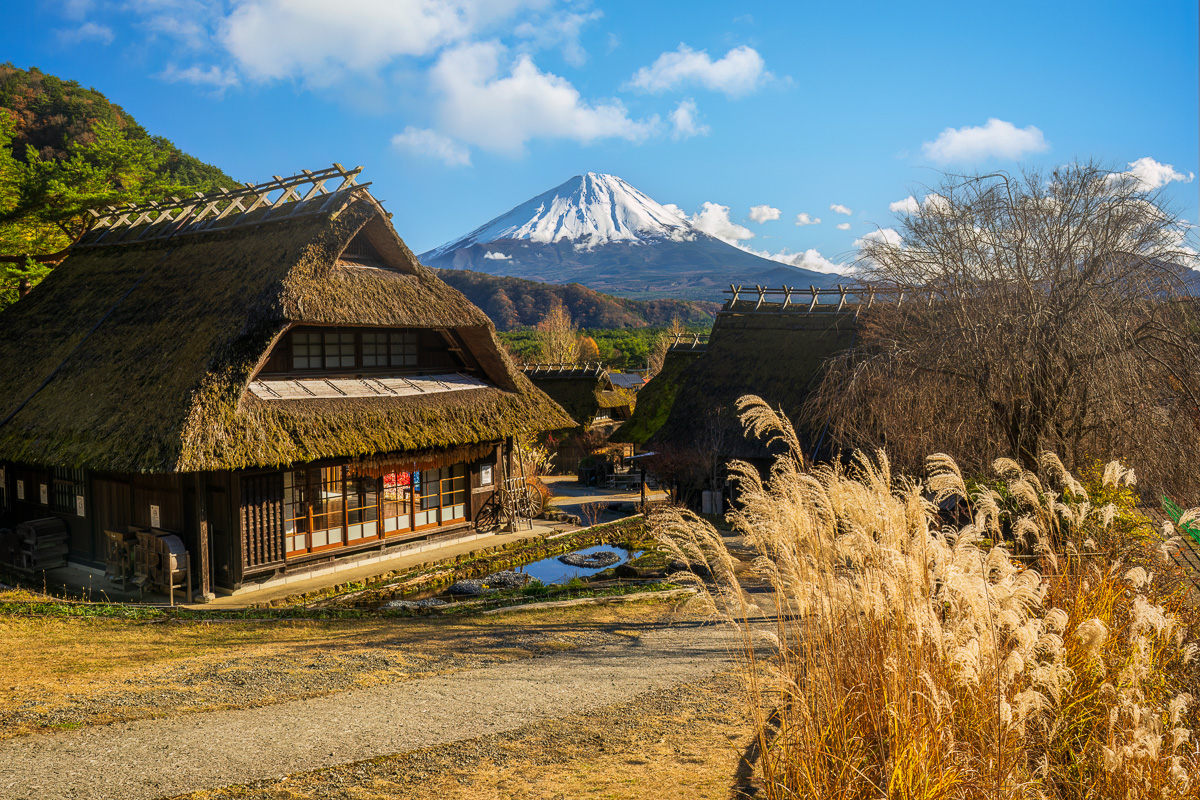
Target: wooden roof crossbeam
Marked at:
296, 196
768, 300
689, 341
591, 368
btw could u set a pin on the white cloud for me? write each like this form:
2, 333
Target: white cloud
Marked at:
885, 235
676, 210
933, 203
738, 72
321, 41
713, 219
809, 259
429, 143
996, 139
764, 213
214, 77
683, 121
481, 104
843, 226
838, 208
492, 255
561, 31
88, 31
804, 219
1150, 174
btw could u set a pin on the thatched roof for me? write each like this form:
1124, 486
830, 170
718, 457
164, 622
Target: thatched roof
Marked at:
581, 389
777, 355
136, 356
655, 398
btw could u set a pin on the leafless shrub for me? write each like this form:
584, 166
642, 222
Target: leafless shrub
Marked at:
1042, 313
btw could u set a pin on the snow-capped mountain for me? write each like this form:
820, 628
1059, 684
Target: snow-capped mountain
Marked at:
599, 231
590, 209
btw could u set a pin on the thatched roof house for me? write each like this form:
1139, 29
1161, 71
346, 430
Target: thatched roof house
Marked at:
772, 349
585, 391
235, 337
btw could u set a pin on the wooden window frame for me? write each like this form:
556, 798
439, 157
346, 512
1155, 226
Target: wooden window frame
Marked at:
300, 493
401, 351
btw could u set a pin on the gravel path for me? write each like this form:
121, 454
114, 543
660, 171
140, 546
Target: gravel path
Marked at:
152, 758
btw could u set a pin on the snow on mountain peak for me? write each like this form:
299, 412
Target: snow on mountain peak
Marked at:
588, 210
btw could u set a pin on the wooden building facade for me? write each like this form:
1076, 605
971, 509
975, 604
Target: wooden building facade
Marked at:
268, 374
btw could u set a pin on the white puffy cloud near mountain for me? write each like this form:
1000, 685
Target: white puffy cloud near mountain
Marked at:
803, 219
494, 105
713, 219
764, 213
809, 259
996, 139
738, 72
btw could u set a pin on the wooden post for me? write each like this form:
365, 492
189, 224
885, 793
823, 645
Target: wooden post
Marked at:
643, 490
203, 537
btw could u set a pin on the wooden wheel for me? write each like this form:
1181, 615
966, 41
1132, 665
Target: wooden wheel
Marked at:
530, 502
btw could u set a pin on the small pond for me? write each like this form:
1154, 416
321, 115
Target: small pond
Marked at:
547, 570
551, 570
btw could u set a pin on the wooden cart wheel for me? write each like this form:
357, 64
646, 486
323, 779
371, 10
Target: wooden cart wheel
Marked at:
531, 502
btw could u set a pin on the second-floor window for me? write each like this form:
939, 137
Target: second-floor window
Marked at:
350, 350
389, 349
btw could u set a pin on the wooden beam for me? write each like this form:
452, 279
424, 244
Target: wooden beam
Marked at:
203, 537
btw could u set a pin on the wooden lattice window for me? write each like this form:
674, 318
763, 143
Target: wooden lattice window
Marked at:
306, 351
67, 491
339, 350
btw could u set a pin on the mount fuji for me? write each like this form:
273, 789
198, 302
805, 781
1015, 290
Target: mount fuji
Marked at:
599, 231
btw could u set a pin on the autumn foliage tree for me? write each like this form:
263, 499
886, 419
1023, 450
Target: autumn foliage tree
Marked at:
559, 338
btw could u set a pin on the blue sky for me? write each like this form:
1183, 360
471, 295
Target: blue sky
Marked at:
460, 110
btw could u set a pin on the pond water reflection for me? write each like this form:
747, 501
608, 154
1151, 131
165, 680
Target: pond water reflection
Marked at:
551, 570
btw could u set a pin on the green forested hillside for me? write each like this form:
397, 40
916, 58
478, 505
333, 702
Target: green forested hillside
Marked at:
514, 303
64, 149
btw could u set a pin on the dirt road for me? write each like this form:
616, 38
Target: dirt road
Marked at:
152, 758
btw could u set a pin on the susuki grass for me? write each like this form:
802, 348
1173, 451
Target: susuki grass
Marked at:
1032, 647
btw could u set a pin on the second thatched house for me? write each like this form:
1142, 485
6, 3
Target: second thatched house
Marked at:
268, 374
770, 343
587, 393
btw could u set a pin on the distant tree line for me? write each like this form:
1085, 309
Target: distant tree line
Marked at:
556, 340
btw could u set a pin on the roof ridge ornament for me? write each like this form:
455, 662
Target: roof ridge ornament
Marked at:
294, 197
766, 300
560, 370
